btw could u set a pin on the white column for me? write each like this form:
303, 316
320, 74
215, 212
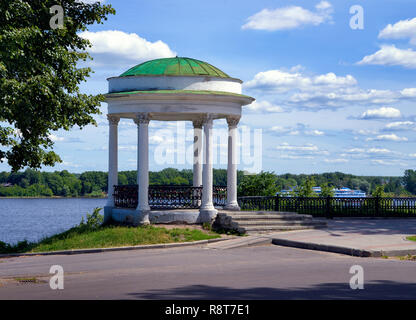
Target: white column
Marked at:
112, 165
112, 157
207, 210
142, 121
197, 169
232, 203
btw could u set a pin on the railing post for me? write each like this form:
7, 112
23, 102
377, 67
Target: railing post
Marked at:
328, 208
276, 203
377, 205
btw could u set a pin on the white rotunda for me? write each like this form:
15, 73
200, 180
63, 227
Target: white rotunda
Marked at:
172, 89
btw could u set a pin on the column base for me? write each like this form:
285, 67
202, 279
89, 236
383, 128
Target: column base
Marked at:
232, 207
142, 217
207, 215
108, 212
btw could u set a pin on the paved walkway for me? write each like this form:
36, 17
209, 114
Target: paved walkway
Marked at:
192, 273
358, 237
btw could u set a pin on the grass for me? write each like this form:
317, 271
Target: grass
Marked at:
109, 236
408, 257
28, 280
91, 234
412, 238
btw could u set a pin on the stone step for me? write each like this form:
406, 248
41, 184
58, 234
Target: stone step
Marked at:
268, 229
265, 221
238, 217
278, 223
282, 213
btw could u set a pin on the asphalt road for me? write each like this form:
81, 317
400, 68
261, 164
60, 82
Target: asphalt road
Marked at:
262, 272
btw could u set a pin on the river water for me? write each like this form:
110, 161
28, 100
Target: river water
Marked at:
33, 219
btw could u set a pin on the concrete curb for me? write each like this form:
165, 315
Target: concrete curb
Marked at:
342, 250
98, 250
244, 242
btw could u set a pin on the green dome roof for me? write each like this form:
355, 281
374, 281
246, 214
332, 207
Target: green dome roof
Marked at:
175, 67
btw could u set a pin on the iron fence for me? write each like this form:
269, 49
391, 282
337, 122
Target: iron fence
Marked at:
167, 196
333, 207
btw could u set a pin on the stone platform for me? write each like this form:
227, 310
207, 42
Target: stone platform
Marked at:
179, 216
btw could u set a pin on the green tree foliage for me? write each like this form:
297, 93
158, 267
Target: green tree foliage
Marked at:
326, 191
409, 180
40, 77
379, 192
94, 183
305, 189
262, 184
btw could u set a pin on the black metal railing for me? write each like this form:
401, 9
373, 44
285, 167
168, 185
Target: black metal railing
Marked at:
174, 197
333, 207
125, 196
219, 195
167, 196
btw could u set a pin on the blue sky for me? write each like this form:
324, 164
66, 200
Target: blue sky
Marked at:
329, 97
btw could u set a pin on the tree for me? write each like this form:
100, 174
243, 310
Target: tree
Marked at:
409, 180
39, 77
262, 184
326, 191
306, 188
378, 192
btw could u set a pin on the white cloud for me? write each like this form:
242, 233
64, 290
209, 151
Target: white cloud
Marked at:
282, 81
387, 137
409, 93
389, 162
292, 157
295, 88
127, 148
55, 138
404, 29
379, 151
308, 148
284, 130
291, 17
156, 139
114, 47
340, 160
264, 106
366, 132
299, 129
381, 113
399, 125
389, 55
355, 150
314, 133
302, 150
69, 164
371, 151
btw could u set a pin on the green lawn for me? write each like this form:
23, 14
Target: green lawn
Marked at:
92, 234
110, 236
412, 238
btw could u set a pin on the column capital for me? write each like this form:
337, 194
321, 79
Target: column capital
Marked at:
233, 121
113, 120
198, 123
207, 120
142, 118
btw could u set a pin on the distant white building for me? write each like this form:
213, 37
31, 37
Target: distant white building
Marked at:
338, 193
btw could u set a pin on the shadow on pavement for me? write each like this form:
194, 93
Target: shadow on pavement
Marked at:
373, 290
372, 226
